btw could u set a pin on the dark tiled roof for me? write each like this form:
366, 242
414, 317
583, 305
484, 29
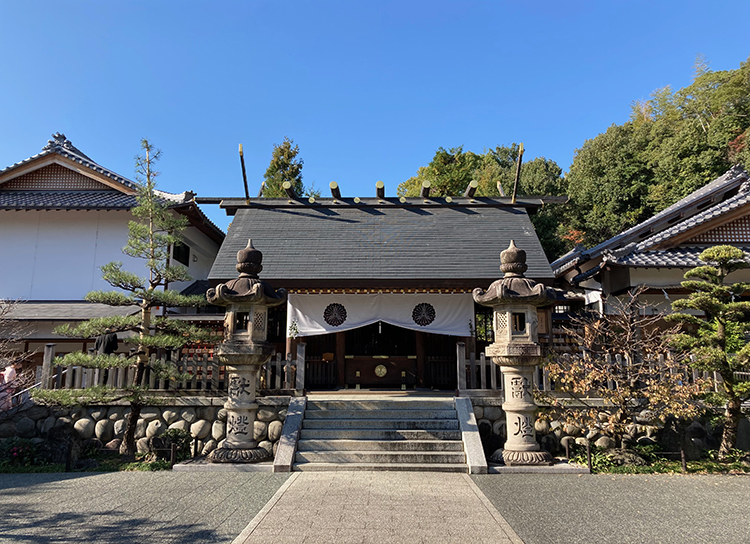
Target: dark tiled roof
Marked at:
390, 243
734, 178
678, 257
60, 145
65, 200
737, 201
73, 310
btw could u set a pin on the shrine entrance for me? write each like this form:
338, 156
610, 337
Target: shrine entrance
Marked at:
381, 355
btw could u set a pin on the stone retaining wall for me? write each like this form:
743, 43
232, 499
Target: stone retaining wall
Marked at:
553, 435
205, 418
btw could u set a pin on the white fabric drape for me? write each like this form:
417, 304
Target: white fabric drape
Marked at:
451, 314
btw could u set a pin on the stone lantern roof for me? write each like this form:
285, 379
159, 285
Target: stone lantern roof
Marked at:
514, 287
247, 288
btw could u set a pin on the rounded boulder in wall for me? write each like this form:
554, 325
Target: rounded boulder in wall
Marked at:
188, 414
260, 430
25, 427
267, 413
119, 428
155, 428
104, 430
98, 412
170, 416
274, 430
218, 430
85, 427
181, 424
200, 429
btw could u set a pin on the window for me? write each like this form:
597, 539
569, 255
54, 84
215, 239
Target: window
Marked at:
519, 323
181, 253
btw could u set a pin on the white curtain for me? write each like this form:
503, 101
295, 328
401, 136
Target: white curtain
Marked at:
452, 314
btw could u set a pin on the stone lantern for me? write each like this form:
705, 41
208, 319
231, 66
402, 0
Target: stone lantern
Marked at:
243, 352
514, 300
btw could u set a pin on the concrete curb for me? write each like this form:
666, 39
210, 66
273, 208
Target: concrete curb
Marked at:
289, 435
475, 459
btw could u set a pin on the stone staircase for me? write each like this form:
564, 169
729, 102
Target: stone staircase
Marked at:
403, 434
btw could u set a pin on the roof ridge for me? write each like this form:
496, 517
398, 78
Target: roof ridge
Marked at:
60, 145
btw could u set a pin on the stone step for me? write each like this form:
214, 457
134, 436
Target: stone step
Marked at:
378, 434
375, 404
380, 414
411, 467
380, 445
396, 424
390, 457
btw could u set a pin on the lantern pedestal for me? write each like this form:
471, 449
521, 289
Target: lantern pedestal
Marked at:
243, 363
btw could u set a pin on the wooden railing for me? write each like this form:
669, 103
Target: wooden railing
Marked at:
481, 375
201, 374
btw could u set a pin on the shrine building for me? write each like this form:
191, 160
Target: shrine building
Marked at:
380, 288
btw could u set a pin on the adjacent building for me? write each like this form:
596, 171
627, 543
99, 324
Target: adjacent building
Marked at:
62, 216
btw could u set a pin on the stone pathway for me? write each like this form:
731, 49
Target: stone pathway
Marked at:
378, 507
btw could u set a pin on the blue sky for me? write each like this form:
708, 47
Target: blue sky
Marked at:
368, 90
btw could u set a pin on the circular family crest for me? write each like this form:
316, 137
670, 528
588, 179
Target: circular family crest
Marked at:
381, 371
423, 314
334, 314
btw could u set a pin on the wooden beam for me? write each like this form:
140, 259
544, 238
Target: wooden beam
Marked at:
471, 188
425, 192
289, 190
335, 191
380, 189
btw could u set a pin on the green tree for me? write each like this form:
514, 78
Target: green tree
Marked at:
153, 231
284, 166
451, 171
716, 341
673, 144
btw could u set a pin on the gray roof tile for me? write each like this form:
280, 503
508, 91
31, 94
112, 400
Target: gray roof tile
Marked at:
361, 243
66, 200
678, 257
60, 145
733, 178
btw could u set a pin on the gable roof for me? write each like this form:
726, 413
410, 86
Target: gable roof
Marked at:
50, 181
60, 146
379, 242
717, 198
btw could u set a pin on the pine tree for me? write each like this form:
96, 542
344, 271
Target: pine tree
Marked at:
716, 342
285, 166
150, 236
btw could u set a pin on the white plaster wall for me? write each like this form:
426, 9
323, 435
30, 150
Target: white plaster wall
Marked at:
56, 255
674, 276
203, 251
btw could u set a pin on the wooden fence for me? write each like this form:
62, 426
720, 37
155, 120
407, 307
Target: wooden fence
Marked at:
481, 375
202, 374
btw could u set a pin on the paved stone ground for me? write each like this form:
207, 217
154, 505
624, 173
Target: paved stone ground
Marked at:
382, 507
633, 509
379, 508
131, 507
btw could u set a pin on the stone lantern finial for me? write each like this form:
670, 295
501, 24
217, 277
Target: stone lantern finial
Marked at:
513, 261
249, 261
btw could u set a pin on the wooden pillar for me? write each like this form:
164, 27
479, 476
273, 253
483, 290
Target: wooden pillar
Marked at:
340, 358
290, 346
420, 359
47, 369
